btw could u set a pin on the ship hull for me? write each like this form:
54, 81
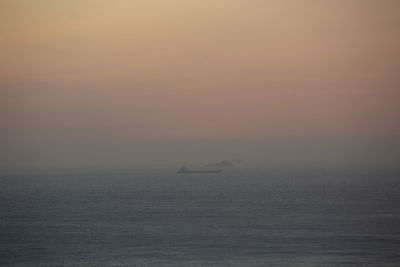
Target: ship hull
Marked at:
212, 171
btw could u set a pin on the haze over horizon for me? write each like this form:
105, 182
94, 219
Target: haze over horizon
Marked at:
113, 84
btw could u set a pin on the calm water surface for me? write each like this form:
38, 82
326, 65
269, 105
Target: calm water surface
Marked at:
228, 219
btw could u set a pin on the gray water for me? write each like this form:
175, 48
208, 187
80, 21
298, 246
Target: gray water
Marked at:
228, 219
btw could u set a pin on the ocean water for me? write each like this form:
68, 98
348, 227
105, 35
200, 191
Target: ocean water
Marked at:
228, 219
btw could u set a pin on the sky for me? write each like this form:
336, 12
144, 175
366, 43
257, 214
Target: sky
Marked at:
118, 84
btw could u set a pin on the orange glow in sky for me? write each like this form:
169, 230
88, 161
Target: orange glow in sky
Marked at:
189, 70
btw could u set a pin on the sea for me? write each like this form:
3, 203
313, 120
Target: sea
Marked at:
235, 218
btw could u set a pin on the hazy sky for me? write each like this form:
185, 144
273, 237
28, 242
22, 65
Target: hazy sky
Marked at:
118, 83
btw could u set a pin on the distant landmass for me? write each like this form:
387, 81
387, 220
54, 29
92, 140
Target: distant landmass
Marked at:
224, 163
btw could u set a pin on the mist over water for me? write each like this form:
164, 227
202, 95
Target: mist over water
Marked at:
236, 218
101, 102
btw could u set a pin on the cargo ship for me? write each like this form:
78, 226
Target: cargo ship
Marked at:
186, 170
